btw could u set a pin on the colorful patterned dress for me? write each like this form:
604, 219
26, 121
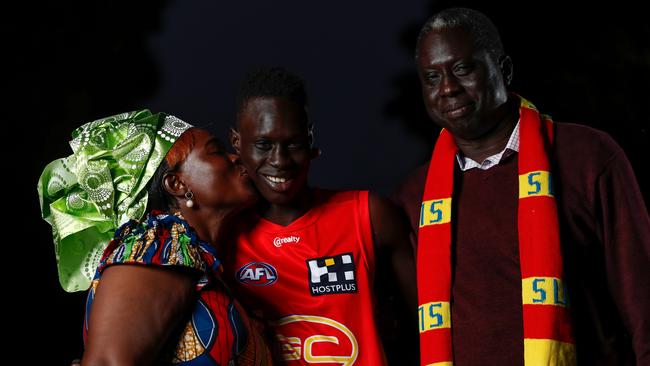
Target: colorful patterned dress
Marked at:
218, 332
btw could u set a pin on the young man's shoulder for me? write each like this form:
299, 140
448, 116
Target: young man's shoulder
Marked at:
333, 196
410, 188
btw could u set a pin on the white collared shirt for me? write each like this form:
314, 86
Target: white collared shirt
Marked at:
512, 146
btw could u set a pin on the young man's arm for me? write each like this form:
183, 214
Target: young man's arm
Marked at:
391, 235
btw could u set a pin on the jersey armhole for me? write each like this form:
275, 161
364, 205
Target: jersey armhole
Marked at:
364, 232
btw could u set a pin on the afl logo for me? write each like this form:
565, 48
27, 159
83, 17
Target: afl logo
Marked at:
257, 274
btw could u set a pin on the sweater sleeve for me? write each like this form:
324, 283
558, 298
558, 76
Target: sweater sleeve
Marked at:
626, 235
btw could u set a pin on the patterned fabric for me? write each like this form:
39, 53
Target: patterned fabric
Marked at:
160, 239
218, 331
87, 195
548, 338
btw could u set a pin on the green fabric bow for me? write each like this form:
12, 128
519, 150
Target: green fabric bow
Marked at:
103, 184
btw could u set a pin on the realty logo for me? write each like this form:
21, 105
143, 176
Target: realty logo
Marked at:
285, 240
332, 275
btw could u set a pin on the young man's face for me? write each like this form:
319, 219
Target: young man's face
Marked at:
274, 144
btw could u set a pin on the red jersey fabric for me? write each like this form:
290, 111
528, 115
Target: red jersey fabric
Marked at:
312, 280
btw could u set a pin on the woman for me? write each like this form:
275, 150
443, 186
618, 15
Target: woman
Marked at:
156, 297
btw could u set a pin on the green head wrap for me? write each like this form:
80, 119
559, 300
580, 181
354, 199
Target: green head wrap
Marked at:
103, 184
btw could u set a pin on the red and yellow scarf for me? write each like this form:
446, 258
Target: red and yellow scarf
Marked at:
548, 338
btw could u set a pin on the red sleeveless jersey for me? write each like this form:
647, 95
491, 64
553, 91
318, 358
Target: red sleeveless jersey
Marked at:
312, 280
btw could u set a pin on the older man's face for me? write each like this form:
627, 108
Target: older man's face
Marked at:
462, 85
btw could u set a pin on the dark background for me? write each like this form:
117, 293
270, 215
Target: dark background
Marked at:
75, 62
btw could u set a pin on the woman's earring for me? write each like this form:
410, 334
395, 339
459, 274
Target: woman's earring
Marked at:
189, 196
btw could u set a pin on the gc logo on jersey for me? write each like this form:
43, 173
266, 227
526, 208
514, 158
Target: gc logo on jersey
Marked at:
332, 275
257, 274
330, 342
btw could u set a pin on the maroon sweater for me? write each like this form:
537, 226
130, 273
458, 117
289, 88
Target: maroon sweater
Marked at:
605, 233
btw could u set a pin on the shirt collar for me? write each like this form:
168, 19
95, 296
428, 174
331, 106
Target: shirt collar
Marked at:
512, 147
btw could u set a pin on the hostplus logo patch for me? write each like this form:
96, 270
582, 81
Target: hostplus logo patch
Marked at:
332, 275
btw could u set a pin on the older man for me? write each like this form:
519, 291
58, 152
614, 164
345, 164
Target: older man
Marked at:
533, 238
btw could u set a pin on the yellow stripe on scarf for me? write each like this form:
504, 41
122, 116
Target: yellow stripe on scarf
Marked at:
434, 212
547, 352
543, 291
434, 315
537, 183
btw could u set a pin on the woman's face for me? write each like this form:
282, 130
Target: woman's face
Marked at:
211, 174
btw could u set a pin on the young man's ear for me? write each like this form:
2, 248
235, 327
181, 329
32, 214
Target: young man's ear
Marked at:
505, 64
235, 140
315, 152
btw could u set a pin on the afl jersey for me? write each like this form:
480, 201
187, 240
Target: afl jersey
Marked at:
312, 280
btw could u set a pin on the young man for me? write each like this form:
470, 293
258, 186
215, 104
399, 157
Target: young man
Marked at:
305, 259
533, 239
